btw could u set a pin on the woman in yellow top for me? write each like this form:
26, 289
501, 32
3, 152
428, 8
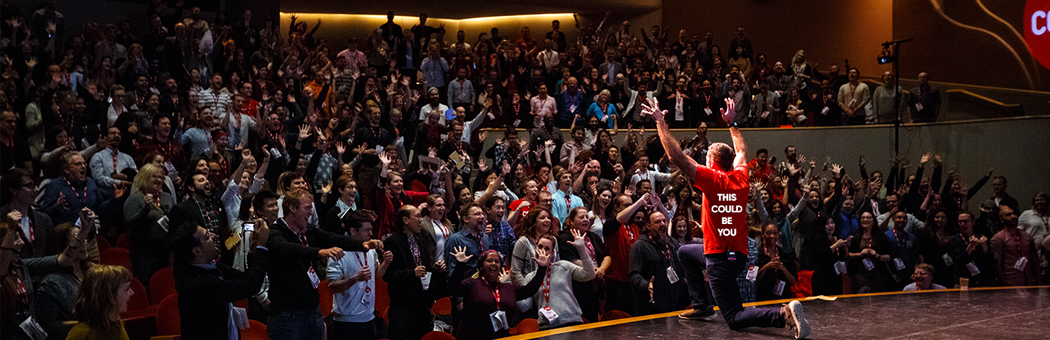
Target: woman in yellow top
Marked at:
103, 296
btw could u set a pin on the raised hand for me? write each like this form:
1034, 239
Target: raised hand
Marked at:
543, 258
729, 113
549, 145
385, 159
432, 151
836, 169
505, 275
577, 236
327, 188
461, 254
482, 166
340, 147
925, 158
505, 168
651, 107
304, 132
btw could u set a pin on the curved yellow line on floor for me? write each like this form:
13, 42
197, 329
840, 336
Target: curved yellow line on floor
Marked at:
594, 325
1028, 75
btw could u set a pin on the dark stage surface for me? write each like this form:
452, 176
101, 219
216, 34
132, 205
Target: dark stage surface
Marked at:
1014, 313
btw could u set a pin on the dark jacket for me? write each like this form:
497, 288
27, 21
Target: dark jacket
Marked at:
290, 286
405, 287
205, 293
42, 227
649, 260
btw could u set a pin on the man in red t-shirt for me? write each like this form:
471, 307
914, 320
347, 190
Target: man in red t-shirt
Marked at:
724, 181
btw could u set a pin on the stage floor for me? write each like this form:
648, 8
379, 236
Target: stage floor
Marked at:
1013, 313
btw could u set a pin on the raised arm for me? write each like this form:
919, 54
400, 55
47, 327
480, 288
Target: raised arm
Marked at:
671, 146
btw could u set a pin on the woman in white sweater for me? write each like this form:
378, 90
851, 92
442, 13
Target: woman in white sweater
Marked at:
555, 300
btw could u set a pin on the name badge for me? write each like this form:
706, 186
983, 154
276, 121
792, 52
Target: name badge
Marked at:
947, 260
752, 273
973, 269
898, 263
1021, 263
33, 329
671, 275
499, 320
314, 280
778, 289
708, 111
765, 114
867, 264
825, 111
549, 313
918, 106
840, 268
426, 280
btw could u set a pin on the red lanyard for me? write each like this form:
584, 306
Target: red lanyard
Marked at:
896, 237
302, 238
82, 200
444, 231
667, 253
368, 289
568, 204
547, 288
114, 152
495, 293
1017, 241
590, 248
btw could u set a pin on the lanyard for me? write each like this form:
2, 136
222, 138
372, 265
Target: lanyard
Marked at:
444, 231
414, 246
590, 248
495, 293
897, 238
546, 288
362, 260
83, 200
667, 252
568, 205
114, 160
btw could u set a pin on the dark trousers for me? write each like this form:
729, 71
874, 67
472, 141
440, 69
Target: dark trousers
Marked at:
694, 263
352, 330
619, 296
409, 322
723, 274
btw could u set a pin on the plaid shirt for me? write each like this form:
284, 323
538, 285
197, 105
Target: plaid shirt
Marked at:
747, 288
503, 238
324, 170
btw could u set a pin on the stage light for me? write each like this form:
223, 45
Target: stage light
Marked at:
887, 56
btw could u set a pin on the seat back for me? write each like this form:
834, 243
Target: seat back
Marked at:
161, 284
168, 319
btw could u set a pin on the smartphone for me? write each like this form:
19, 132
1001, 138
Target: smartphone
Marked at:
249, 226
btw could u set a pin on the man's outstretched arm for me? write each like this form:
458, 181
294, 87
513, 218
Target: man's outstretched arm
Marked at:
674, 150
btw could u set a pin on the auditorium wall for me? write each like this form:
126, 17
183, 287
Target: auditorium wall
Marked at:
830, 31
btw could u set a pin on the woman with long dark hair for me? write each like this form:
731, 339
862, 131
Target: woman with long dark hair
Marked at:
868, 257
488, 303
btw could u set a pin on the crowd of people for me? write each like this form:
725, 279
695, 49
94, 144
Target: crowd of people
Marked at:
258, 164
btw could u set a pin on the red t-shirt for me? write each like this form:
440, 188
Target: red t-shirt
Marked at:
618, 246
725, 200
524, 211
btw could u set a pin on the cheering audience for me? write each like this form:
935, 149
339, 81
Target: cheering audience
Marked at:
310, 179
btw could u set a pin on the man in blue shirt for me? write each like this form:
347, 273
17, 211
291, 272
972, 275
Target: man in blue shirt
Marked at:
471, 237
564, 200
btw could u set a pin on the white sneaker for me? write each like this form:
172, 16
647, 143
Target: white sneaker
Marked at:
796, 319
